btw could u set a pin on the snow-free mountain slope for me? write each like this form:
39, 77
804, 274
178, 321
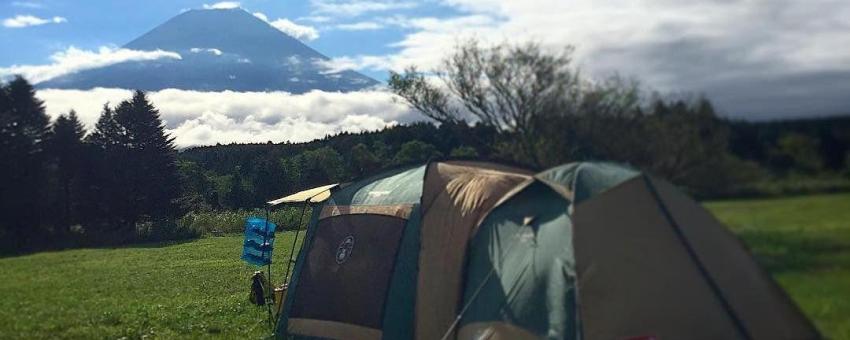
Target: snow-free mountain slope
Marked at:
227, 49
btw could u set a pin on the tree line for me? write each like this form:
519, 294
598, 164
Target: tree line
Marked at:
62, 186
525, 105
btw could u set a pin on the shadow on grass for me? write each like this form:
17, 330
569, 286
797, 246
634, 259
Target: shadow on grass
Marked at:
150, 244
794, 251
138, 245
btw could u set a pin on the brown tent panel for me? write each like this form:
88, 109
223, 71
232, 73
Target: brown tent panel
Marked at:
635, 277
652, 262
455, 197
763, 308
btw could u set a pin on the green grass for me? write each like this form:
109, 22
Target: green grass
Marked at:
195, 289
805, 243
198, 289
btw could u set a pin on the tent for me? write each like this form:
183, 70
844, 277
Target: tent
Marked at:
478, 250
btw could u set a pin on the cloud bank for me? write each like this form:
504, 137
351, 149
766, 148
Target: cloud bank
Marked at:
73, 60
204, 118
21, 21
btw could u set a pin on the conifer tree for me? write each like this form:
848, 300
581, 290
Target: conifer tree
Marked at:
23, 132
236, 196
107, 134
150, 181
269, 181
136, 171
102, 200
66, 149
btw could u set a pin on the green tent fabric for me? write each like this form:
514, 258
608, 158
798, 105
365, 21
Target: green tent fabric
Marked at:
521, 269
398, 186
522, 261
580, 251
581, 181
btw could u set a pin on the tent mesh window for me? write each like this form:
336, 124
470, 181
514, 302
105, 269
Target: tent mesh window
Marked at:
345, 247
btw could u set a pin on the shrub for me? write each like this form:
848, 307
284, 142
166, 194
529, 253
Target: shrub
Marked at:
233, 221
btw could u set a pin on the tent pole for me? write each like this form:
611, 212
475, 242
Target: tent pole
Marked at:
268, 213
265, 240
292, 251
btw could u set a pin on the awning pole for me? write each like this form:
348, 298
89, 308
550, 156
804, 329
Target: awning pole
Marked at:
265, 242
292, 252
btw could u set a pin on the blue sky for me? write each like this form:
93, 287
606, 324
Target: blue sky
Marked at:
755, 59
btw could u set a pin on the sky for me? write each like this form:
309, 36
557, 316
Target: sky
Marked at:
756, 59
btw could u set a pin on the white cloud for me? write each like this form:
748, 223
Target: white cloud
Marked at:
300, 32
223, 5
362, 62
204, 118
315, 18
214, 51
360, 26
355, 8
431, 40
28, 20
261, 16
74, 60
297, 31
27, 4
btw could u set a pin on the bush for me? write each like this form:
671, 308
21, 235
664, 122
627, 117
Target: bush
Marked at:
233, 221
166, 230
789, 185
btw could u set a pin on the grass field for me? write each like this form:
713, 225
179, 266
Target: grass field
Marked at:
805, 243
198, 289
195, 289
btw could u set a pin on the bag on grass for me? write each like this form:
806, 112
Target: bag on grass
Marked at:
260, 289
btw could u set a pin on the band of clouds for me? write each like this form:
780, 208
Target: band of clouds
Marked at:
73, 60
20, 21
205, 118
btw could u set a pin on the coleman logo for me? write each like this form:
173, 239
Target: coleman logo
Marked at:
343, 252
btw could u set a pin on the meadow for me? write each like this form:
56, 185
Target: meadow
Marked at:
199, 288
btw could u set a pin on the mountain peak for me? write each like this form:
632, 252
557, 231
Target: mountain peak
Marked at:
220, 49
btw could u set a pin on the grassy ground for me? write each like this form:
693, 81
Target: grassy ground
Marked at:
805, 243
198, 289
194, 289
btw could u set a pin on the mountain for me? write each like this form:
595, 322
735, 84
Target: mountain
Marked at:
220, 49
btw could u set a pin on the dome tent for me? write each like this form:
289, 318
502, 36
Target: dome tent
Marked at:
462, 249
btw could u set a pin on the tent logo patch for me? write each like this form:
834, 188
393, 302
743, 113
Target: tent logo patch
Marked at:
343, 252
